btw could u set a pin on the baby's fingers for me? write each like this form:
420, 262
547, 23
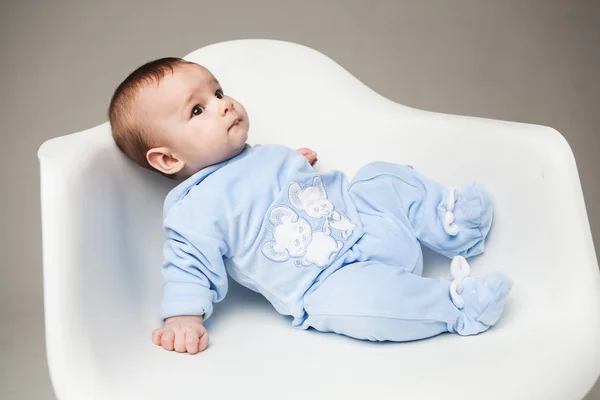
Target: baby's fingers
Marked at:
167, 340
203, 340
179, 343
157, 336
191, 340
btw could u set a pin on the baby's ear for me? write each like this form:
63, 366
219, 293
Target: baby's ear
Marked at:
163, 160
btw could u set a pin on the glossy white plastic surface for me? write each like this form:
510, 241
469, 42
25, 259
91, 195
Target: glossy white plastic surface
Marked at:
102, 243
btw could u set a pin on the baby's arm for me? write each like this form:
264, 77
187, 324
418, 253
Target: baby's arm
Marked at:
310, 155
183, 334
194, 277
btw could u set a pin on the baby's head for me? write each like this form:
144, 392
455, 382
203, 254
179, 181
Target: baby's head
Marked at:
172, 116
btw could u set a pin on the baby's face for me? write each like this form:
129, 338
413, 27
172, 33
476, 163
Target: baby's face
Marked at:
195, 121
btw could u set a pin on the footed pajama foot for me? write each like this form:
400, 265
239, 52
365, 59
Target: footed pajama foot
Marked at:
467, 215
480, 299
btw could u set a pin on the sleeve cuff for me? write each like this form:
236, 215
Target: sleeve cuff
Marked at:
186, 299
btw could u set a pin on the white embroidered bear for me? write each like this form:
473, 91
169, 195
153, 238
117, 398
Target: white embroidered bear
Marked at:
294, 238
338, 222
313, 201
322, 250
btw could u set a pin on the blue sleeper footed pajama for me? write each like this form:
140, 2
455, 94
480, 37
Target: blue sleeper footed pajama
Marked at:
337, 256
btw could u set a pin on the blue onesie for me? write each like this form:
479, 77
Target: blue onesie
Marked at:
337, 256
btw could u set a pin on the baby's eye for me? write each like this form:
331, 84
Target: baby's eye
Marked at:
300, 229
219, 94
297, 242
197, 110
316, 208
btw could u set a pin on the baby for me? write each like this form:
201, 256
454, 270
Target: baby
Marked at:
338, 256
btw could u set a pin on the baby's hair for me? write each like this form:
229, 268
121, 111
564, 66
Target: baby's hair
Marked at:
128, 132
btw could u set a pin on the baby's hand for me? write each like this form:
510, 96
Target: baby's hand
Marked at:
310, 155
183, 333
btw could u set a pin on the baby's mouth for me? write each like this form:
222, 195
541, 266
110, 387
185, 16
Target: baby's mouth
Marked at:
235, 122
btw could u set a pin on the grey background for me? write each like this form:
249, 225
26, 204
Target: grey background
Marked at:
532, 61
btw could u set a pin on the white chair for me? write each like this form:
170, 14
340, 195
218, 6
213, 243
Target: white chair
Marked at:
102, 239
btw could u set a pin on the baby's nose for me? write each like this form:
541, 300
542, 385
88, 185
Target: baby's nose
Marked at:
226, 106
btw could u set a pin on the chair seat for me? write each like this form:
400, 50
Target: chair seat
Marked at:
102, 252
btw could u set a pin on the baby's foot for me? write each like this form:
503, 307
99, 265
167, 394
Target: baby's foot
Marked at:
481, 300
468, 214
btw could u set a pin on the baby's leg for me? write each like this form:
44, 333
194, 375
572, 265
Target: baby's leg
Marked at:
451, 222
373, 301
